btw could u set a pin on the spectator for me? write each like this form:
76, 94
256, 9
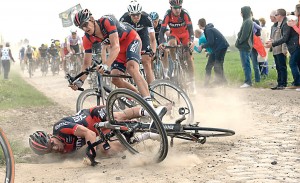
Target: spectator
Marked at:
6, 56
295, 24
1, 47
291, 38
210, 63
263, 61
244, 43
254, 54
279, 53
218, 44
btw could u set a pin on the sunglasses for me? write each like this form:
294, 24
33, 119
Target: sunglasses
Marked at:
177, 7
85, 24
135, 15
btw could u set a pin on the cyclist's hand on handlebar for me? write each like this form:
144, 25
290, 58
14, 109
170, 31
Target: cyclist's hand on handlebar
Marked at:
161, 46
77, 84
102, 68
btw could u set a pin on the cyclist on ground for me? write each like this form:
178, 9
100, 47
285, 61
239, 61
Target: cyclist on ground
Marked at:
181, 31
72, 132
157, 25
142, 23
125, 49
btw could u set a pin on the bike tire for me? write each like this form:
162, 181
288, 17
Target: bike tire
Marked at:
110, 108
209, 131
8, 158
163, 83
95, 99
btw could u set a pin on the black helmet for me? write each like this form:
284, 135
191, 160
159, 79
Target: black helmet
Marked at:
175, 2
81, 17
40, 142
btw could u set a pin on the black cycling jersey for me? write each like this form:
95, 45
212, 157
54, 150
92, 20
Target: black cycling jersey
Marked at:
53, 51
66, 127
141, 27
43, 52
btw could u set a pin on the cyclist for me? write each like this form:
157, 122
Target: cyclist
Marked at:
125, 48
181, 31
54, 53
157, 25
43, 51
142, 23
74, 44
72, 132
63, 52
22, 55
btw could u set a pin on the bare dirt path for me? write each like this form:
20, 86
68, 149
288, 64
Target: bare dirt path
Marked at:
265, 148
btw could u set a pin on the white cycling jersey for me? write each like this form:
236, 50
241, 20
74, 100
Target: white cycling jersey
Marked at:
75, 41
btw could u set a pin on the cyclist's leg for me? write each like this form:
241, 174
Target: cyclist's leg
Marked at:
146, 59
119, 68
191, 71
172, 41
165, 61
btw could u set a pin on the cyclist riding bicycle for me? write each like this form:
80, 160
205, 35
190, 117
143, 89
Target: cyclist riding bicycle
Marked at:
72, 132
157, 26
141, 22
43, 51
29, 54
125, 48
181, 31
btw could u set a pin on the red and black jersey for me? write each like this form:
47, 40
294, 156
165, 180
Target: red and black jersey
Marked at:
178, 25
108, 24
66, 127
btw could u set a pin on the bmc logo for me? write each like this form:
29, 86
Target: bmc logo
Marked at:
134, 46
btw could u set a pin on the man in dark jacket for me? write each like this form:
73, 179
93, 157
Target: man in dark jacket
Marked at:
218, 44
291, 38
244, 43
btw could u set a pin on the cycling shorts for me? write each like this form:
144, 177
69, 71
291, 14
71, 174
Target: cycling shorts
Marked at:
181, 38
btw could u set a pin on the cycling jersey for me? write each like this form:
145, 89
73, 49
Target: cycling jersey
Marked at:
143, 28
72, 42
29, 53
157, 29
53, 51
43, 52
128, 38
66, 127
180, 27
22, 53
64, 46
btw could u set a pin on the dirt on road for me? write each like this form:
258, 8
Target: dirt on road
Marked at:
265, 147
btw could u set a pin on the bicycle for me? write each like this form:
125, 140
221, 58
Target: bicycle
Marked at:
30, 67
44, 66
163, 92
126, 131
7, 158
54, 65
180, 67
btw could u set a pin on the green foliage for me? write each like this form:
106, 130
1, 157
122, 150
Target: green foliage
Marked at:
234, 72
15, 92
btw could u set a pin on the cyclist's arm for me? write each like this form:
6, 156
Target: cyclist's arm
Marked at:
83, 132
114, 48
69, 47
189, 24
163, 29
103, 53
152, 41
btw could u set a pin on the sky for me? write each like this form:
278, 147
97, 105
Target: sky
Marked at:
38, 20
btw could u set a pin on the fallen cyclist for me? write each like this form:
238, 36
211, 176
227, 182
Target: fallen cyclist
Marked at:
73, 132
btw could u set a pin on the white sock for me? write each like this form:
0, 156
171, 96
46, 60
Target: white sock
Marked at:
149, 101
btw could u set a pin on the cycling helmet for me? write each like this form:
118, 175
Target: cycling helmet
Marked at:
175, 2
73, 31
154, 15
134, 7
39, 142
81, 17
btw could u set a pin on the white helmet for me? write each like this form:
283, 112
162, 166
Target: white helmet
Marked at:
73, 31
134, 7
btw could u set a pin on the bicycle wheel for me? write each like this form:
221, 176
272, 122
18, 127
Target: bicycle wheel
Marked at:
7, 158
158, 68
151, 143
89, 98
166, 93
